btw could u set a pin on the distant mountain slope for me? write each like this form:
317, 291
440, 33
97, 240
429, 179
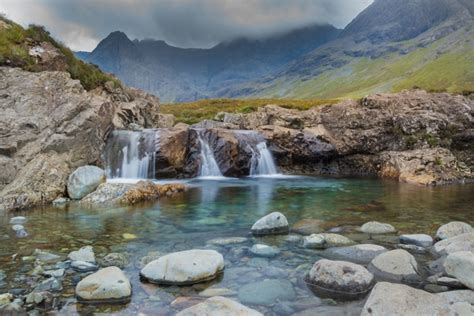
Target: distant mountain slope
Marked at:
177, 74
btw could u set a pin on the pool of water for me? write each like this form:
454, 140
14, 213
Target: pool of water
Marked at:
225, 208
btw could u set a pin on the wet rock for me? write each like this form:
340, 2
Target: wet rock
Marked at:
114, 259
50, 285
395, 266
84, 180
83, 266
361, 254
398, 299
17, 228
264, 250
219, 306
18, 220
273, 223
266, 292
210, 292
106, 285
226, 241
461, 266
42, 300
184, 267
325, 240
463, 242
47, 257
307, 226
437, 266
14, 308
151, 256
453, 229
54, 273
413, 248
6, 298
107, 193
86, 254
3, 276
377, 228
61, 201
435, 288
421, 240
450, 282
128, 236
339, 279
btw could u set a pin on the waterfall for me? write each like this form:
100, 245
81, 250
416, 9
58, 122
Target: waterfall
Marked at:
262, 162
209, 167
131, 154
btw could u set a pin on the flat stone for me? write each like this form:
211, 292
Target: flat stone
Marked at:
86, 254
184, 267
464, 242
50, 285
461, 266
219, 306
361, 254
83, 266
395, 266
47, 257
18, 220
226, 241
450, 282
339, 279
377, 228
308, 226
54, 273
453, 229
273, 223
421, 240
326, 240
266, 292
210, 292
84, 180
107, 285
264, 250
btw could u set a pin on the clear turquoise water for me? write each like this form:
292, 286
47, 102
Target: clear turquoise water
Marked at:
212, 209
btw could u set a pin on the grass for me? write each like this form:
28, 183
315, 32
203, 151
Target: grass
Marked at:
194, 112
15, 42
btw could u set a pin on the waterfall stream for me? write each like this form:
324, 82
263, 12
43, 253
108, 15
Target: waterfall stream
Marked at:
209, 166
262, 162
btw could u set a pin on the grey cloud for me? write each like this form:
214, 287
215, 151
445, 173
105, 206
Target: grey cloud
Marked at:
185, 23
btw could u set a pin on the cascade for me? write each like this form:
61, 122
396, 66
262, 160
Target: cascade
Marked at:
209, 166
262, 162
131, 154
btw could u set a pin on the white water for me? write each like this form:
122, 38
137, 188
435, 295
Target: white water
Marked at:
262, 163
209, 167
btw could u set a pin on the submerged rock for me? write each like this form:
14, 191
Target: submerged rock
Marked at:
453, 229
395, 266
377, 228
84, 180
264, 250
226, 241
326, 240
184, 267
273, 223
308, 226
463, 242
86, 253
18, 220
218, 305
339, 280
361, 254
461, 266
114, 259
267, 292
421, 240
107, 285
47, 257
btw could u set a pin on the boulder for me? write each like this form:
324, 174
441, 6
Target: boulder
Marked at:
264, 250
219, 306
361, 254
458, 296
377, 228
464, 242
395, 266
339, 280
184, 267
107, 285
326, 240
86, 254
453, 229
84, 180
461, 266
421, 240
267, 292
273, 223
398, 299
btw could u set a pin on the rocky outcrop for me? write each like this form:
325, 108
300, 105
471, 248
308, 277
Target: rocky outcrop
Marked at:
50, 126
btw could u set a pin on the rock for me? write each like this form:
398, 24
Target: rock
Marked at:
6, 298
17, 228
50, 285
339, 279
308, 226
377, 228
461, 266
413, 248
266, 292
458, 296
226, 241
398, 299
128, 236
453, 229
264, 250
114, 259
462, 309
106, 285
210, 292
42, 300
326, 240
216, 306
273, 223
14, 308
106, 194
83, 266
3, 276
395, 266
54, 273
361, 254
61, 201
18, 220
450, 282
420, 240
86, 254
184, 267
464, 242
47, 257
84, 180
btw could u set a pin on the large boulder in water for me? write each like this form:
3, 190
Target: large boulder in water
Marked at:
395, 266
219, 305
106, 285
184, 267
84, 180
453, 229
273, 223
464, 242
461, 266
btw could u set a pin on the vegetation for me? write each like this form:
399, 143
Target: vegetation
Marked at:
193, 112
15, 43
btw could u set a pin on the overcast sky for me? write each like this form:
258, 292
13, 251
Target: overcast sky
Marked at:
81, 24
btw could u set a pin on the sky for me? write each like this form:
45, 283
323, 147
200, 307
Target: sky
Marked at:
81, 24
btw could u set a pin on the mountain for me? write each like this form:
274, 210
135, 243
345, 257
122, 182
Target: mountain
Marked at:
178, 74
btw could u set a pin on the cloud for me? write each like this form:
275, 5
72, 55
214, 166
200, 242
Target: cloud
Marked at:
81, 24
